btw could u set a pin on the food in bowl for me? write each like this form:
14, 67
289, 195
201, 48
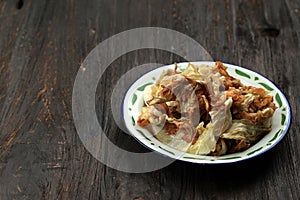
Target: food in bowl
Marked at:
203, 110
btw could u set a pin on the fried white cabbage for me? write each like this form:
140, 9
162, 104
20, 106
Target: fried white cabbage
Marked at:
203, 110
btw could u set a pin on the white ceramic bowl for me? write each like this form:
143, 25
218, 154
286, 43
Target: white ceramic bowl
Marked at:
133, 103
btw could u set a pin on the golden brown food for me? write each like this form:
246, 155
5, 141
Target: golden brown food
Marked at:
204, 110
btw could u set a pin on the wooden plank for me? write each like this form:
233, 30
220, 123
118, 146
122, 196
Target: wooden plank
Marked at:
43, 43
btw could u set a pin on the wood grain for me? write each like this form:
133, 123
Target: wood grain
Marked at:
43, 43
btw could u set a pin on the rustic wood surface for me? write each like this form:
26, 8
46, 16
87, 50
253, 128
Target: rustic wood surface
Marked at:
43, 43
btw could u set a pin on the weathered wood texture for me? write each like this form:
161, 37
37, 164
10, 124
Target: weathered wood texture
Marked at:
42, 44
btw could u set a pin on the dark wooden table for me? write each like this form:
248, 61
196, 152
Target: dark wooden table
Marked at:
42, 45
